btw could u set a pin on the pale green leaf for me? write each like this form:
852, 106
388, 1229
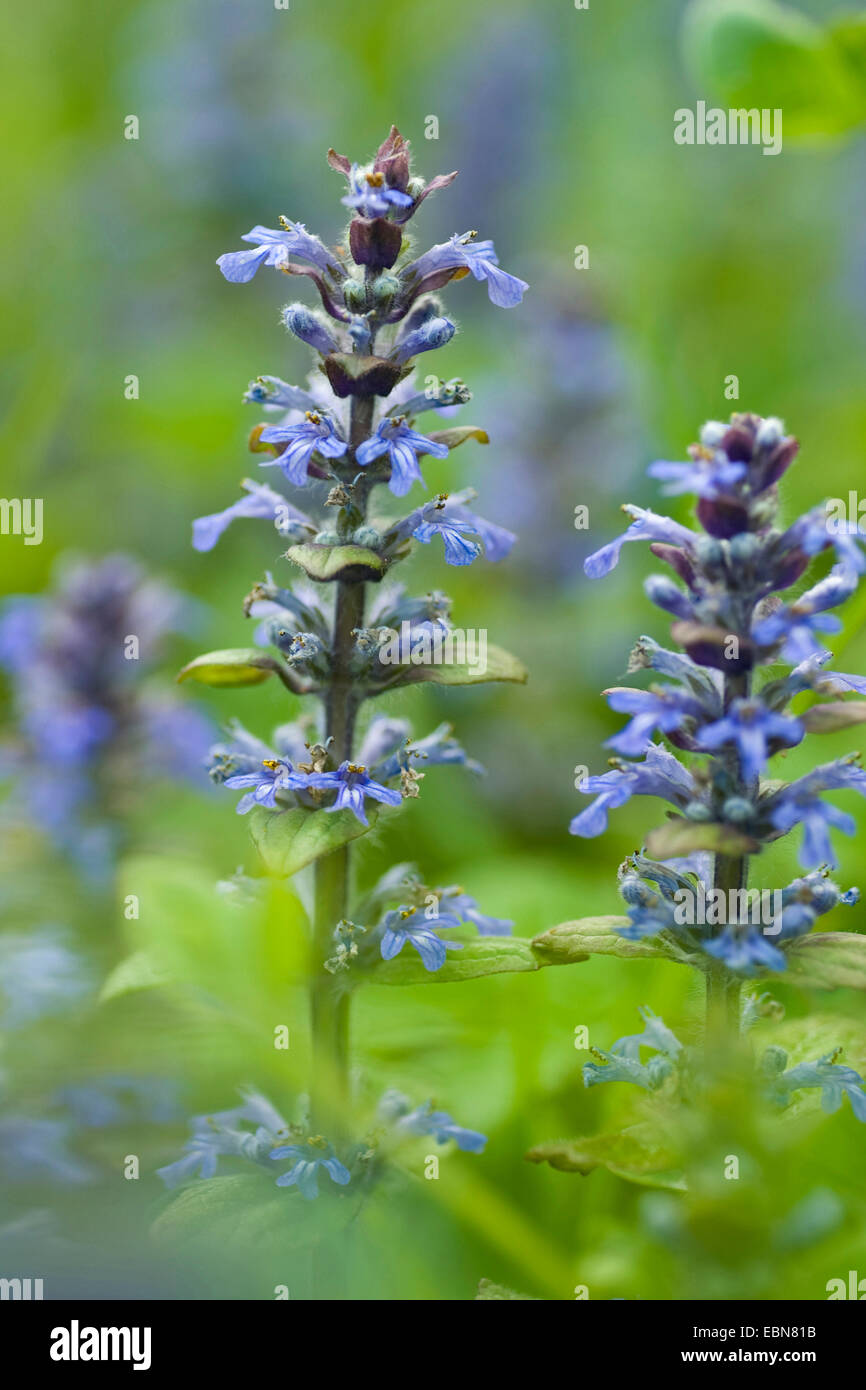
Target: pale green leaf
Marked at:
326, 563
828, 960
485, 955
681, 837
640, 1154
289, 840
499, 665
571, 942
230, 667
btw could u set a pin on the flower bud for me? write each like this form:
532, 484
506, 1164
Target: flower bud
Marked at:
308, 327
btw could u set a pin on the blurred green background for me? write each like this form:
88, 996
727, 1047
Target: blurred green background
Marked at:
702, 263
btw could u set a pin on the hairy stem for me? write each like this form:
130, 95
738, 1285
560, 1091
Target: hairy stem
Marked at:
329, 1005
730, 873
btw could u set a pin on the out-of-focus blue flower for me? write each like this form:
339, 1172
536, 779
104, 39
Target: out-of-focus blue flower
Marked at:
397, 1110
102, 1101
221, 1135
412, 924
795, 624
314, 434
403, 445
835, 1081
260, 502
313, 1154
40, 976
666, 709
646, 526
34, 1149
707, 477
353, 784
752, 727
466, 908
623, 1062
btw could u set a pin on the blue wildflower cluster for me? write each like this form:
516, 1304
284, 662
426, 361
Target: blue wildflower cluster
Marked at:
704, 735
779, 1082
254, 1131
341, 452
88, 722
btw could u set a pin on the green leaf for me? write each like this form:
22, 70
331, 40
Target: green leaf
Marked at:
837, 714
760, 54
640, 1154
488, 1290
498, 666
576, 941
680, 837
828, 960
138, 971
232, 666
289, 840
326, 563
486, 955
807, 1039
245, 1213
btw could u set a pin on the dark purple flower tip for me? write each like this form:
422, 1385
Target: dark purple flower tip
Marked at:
355, 374
677, 558
723, 517
375, 242
712, 646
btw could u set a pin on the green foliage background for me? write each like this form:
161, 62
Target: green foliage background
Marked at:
703, 262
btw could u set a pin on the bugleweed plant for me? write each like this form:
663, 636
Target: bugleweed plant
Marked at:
344, 452
704, 739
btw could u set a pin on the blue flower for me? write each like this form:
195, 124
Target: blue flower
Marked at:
462, 253
464, 535
353, 784
260, 502
752, 727
403, 445
411, 924
438, 747
314, 434
313, 1154
33, 1148
660, 774
371, 196
276, 248
425, 1120
276, 776
665, 708
646, 526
